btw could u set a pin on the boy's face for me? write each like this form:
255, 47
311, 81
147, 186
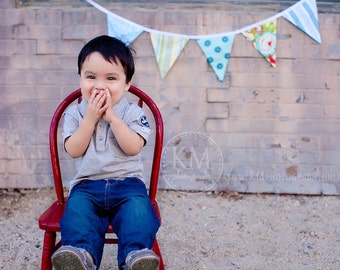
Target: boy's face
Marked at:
97, 74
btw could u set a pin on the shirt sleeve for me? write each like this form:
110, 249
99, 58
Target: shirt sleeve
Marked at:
136, 119
71, 121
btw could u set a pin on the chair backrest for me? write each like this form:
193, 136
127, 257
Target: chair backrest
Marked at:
53, 137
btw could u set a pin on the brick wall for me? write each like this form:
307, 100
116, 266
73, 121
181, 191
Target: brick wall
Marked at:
277, 128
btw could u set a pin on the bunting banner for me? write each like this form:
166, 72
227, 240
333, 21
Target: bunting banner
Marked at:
217, 48
263, 38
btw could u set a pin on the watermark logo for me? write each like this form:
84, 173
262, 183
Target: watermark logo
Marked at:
192, 161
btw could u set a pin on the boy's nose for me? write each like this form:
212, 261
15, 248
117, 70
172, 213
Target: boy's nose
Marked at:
100, 86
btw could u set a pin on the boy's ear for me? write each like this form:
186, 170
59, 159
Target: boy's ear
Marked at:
128, 86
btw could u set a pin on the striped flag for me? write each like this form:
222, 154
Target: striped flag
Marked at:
167, 48
304, 15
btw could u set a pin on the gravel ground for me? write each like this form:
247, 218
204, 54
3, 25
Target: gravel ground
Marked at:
201, 231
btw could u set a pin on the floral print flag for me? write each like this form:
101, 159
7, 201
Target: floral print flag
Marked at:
263, 38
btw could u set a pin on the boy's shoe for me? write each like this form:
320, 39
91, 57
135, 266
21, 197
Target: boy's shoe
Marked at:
144, 259
72, 258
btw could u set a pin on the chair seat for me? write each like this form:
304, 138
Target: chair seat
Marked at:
50, 219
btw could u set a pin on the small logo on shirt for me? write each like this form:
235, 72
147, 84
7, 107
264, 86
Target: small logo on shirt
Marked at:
144, 121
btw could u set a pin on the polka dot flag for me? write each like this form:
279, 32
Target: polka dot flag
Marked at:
217, 51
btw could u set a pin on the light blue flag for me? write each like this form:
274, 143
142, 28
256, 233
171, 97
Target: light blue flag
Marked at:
123, 29
304, 15
217, 50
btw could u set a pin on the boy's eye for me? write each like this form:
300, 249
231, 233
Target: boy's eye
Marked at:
111, 78
90, 77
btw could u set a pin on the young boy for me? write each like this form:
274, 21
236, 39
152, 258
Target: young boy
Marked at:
105, 134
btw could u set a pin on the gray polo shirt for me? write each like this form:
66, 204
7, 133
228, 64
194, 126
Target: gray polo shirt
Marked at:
104, 158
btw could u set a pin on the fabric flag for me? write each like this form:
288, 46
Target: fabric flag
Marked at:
122, 29
263, 38
304, 15
167, 49
217, 50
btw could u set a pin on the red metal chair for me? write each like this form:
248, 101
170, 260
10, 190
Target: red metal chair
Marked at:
49, 221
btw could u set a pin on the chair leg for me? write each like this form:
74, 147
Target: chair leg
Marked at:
48, 249
156, 249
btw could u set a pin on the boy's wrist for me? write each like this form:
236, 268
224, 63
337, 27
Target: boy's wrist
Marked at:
113, 121
87, 124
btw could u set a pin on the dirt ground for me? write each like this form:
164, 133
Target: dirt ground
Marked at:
201, 231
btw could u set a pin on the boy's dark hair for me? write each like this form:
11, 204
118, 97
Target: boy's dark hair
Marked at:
111, 49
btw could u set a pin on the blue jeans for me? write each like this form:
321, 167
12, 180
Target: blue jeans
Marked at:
94, 204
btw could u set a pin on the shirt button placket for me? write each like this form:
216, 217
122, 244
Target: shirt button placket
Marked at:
100, 139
